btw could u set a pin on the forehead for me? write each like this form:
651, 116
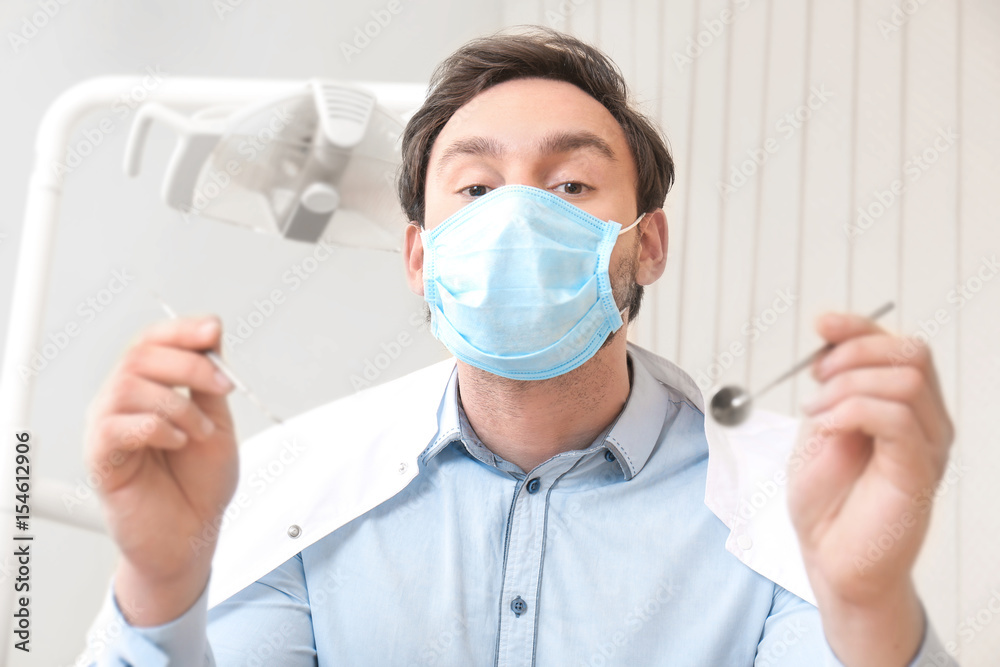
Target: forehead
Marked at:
520, 114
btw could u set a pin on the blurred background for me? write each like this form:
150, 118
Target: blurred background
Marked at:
829, 156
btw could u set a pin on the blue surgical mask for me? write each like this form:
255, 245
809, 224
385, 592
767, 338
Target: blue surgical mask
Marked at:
518, 284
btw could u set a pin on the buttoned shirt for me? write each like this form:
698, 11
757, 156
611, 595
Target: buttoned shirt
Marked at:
604, 555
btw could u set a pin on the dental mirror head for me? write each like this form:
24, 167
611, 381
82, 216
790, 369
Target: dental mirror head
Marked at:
731, 405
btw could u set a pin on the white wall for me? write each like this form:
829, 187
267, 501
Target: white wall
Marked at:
896, 82
780, 231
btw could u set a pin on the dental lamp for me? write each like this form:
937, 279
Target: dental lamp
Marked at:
309, 161
314, 165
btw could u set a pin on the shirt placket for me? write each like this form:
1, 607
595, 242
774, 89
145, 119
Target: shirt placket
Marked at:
523, 556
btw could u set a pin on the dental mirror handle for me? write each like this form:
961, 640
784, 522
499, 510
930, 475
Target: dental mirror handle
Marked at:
879, 312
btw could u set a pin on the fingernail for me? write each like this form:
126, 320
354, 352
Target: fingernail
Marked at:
809, 405
223, 381
208, 328
207, 425
179, 434
831, 321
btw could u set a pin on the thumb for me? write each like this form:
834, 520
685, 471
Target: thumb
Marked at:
837, 327
216, 406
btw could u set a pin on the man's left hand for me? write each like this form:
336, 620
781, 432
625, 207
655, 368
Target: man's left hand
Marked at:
869, 456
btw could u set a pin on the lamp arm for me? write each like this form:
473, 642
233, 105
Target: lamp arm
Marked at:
41, 214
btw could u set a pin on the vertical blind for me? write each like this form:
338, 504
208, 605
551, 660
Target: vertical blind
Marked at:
832, 155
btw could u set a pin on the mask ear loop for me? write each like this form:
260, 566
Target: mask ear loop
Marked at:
625, 229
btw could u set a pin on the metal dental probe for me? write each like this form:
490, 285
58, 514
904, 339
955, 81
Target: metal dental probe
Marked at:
225, 370
731, 405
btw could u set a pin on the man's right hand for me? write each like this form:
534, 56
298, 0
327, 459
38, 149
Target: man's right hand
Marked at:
167, 465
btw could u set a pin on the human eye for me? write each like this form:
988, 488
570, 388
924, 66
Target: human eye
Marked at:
572, 188
475, 190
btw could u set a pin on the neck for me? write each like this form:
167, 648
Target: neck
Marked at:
529, 422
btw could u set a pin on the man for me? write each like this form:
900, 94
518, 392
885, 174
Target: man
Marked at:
556, 512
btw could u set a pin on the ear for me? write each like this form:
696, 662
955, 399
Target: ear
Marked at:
413, 257
652, 247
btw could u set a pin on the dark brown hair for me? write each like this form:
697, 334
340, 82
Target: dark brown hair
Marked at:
533, 53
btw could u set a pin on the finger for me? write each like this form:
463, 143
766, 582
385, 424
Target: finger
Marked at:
118, 445
894, 428
190, 333
215, 407
175, 368
131, 394
877, 350
132, 432
836, 328
903, 384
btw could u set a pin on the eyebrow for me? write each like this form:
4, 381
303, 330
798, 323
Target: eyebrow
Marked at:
566, 142
560, 142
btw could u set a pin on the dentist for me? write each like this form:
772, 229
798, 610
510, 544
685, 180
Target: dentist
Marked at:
553, 495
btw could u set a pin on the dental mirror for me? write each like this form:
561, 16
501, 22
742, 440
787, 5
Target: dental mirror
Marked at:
731, 405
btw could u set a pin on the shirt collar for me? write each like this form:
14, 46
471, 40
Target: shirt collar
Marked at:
449, 422
631, 437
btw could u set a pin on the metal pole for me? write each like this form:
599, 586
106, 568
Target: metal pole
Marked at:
24, 328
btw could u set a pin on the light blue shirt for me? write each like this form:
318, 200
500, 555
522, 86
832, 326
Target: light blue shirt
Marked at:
601, 556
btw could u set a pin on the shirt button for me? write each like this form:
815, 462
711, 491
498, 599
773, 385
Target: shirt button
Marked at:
744, 542
518, 606
533, 488
608, 456
294, 531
